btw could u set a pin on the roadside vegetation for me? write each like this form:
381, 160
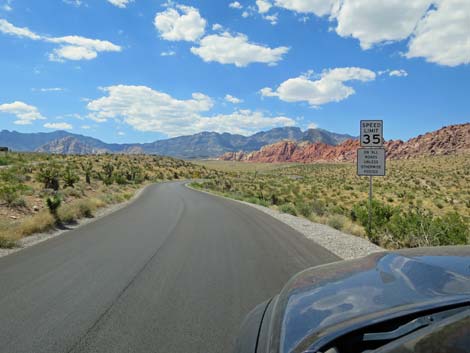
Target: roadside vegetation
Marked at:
40, 192
421, 202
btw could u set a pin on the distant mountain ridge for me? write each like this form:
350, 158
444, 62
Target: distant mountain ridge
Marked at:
200, 145
448, 140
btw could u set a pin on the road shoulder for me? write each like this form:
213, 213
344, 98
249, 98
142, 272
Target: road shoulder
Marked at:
345, 246
32, 240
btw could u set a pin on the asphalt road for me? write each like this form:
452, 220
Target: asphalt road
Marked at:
175, 271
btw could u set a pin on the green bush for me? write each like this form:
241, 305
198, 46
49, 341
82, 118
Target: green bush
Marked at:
53, 203
318, 207
381, 215
336, 221
304, 209
88, 170
4, 160
9, 193
6, 243
19, 203
288, 208
410, 229
451, 229
49, 176
70, 177
85, 209
120, 179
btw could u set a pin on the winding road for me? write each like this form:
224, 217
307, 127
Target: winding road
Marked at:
175, 271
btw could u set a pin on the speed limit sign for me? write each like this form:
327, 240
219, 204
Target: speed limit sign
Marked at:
372, 133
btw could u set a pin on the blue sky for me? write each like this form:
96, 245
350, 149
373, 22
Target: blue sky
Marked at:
141, 70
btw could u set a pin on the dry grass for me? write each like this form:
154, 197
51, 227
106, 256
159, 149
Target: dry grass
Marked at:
27, 179
331, 193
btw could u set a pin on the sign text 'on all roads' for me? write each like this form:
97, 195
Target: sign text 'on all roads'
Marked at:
371, 162
372, 133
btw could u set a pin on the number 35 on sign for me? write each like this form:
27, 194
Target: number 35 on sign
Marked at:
372, 133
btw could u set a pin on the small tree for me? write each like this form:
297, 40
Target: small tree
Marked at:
108, 170
49, 175
53, 203
88, 170
70, 177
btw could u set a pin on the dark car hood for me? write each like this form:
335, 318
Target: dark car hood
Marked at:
327, 300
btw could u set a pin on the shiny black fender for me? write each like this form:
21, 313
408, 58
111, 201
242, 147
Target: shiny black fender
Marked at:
320, 304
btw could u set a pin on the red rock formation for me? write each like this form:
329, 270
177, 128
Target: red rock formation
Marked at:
448, 140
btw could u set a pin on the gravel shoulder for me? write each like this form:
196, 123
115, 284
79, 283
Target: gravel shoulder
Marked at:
40, 237
344, 245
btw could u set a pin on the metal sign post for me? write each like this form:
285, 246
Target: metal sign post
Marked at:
370, 206
371, 158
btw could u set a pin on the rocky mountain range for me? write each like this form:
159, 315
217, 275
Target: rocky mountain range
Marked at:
201, 145
452, 139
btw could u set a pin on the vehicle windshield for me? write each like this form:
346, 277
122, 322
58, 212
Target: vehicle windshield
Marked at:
168, 168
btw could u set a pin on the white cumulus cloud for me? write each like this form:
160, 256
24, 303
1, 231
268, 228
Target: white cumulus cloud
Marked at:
8, 28
24, 113
232, 99
373, 22
180, 23
168, 53
76, 3
398, 73
120, 3
436, 30
58, 126
329, 87
146, 109
70, 47
317, 7
443, 35
243, 122
271, 18
226, 48
235, 5
263, 5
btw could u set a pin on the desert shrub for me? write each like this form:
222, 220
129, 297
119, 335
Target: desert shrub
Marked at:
450, 229
337, 221
381, 214
10, 175
9, 193
49, 176
274, 199
108, 170
318, 207
75, 192
337, 209
120, 179
257, 201
37, 223
288, 208
70, 177
304, 209
85, 209
4, 160
68, 214
53, 203
19, 203
87, 168
417, 227
410, 228
6, 243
